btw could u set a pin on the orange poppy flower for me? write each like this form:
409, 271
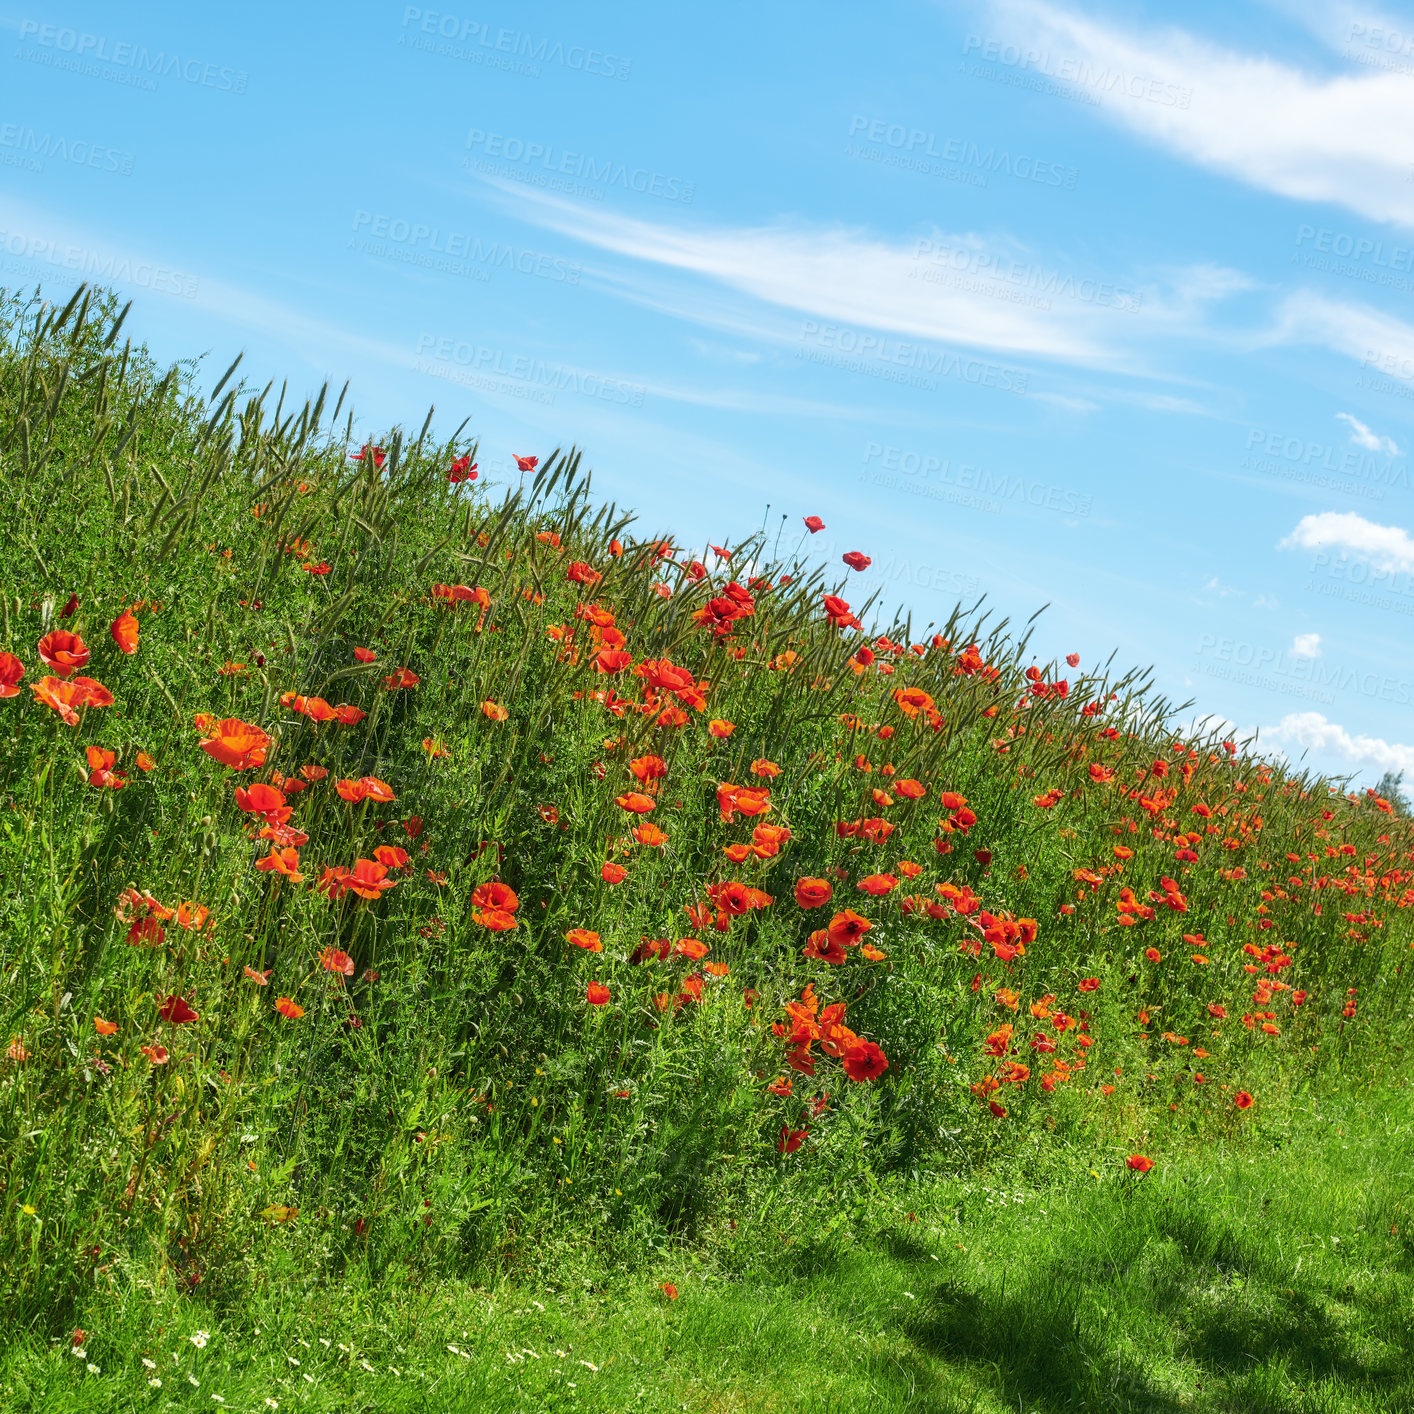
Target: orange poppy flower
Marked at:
156, 1054
261, 979
368, 878
596, 994
494, 711
336, 960
649, 834
762, 767
1139, 1163
718, 728
691, 949
124, 631
286, 1007
1242, 1100
613, 873
495, 894
583, 938
144, 762
635, 802
877, 884
812, 893
497, 920
235, 743
105, 1028
63, 652
282, 861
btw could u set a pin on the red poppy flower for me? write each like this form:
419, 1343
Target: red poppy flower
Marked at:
877, 884
1139, 1163
650, 835
286, 1007
526, 463
596, 994
692, 949
847, 927
364, 655
156, 1054
864, 1061
821, 946
175, 1010
583, 938
1088, 984
367, 878
493, 711
260, 799
669, 1290
718, 728
613, 873
63, 652
636, 802
391, 855
791, 1139
261, 979
814, 524
1242, 1100
11, 671
857, 561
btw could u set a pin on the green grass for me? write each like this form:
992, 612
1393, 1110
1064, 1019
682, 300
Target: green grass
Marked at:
1275, 1273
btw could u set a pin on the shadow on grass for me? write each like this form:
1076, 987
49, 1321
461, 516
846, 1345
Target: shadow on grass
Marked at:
1028, 1339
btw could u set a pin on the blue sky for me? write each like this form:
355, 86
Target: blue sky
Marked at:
1082, 305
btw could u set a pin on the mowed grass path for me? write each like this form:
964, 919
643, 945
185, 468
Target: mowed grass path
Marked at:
1274, 1274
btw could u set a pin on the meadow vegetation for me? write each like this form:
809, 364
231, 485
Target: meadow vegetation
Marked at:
426, 901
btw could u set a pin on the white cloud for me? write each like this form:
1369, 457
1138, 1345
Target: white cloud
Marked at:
1341, 138
1311, 731
1362, 436
1266, 601
1379, 341
1387, 547
1306, 645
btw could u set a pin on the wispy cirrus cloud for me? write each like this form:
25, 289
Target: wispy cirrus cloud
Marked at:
1309, 135
848, 276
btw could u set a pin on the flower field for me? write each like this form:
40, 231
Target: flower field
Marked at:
400, 868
